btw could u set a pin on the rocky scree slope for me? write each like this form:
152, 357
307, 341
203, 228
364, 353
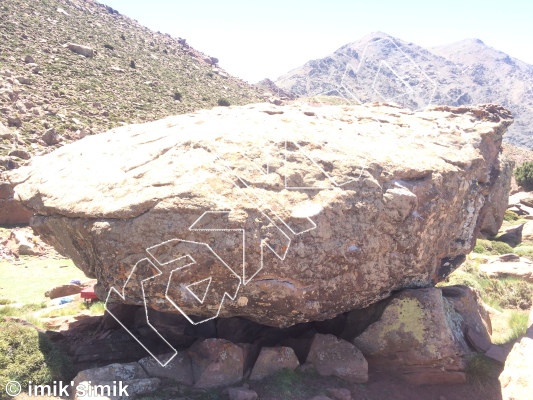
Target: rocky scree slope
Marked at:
50, 94
330, 223
380, 67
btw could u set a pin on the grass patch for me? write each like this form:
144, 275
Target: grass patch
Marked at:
65, 311
27, 283
3, 302
11, 311
517, 327
481, 369
290, 384
97, 308
28, 355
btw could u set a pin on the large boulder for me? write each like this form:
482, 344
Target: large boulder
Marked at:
339, 206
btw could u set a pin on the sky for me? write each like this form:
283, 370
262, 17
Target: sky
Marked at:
258, 39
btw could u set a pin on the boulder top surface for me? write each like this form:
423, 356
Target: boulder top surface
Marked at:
126, 171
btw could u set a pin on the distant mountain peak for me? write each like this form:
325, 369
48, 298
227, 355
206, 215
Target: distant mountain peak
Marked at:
473, 41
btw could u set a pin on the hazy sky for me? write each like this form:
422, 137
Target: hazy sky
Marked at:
255, 40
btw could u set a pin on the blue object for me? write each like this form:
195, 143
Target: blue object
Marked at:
75, 282
65, 300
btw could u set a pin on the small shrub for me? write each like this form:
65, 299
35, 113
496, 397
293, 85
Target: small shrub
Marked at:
27, 355
524, 251
492, 247
97, 308
479, 249
3, 301
510, 216
223, 103
524, 175
500, 248
518, 325
480, 369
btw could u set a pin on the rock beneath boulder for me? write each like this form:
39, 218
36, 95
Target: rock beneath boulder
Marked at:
82, 50
336, 357
215, 363
475, 317
130, 377
242, 394
63, 290
522, 269
517, 377
113, 371
420, 337
339, 393
376, 221
273, 359
179, 369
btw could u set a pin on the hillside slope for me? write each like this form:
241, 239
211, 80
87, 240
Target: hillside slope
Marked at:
135, 74
379, 67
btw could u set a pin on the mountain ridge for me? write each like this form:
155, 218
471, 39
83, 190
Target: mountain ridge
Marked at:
380, 67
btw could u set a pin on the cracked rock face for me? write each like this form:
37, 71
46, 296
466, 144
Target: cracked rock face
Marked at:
278, 214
